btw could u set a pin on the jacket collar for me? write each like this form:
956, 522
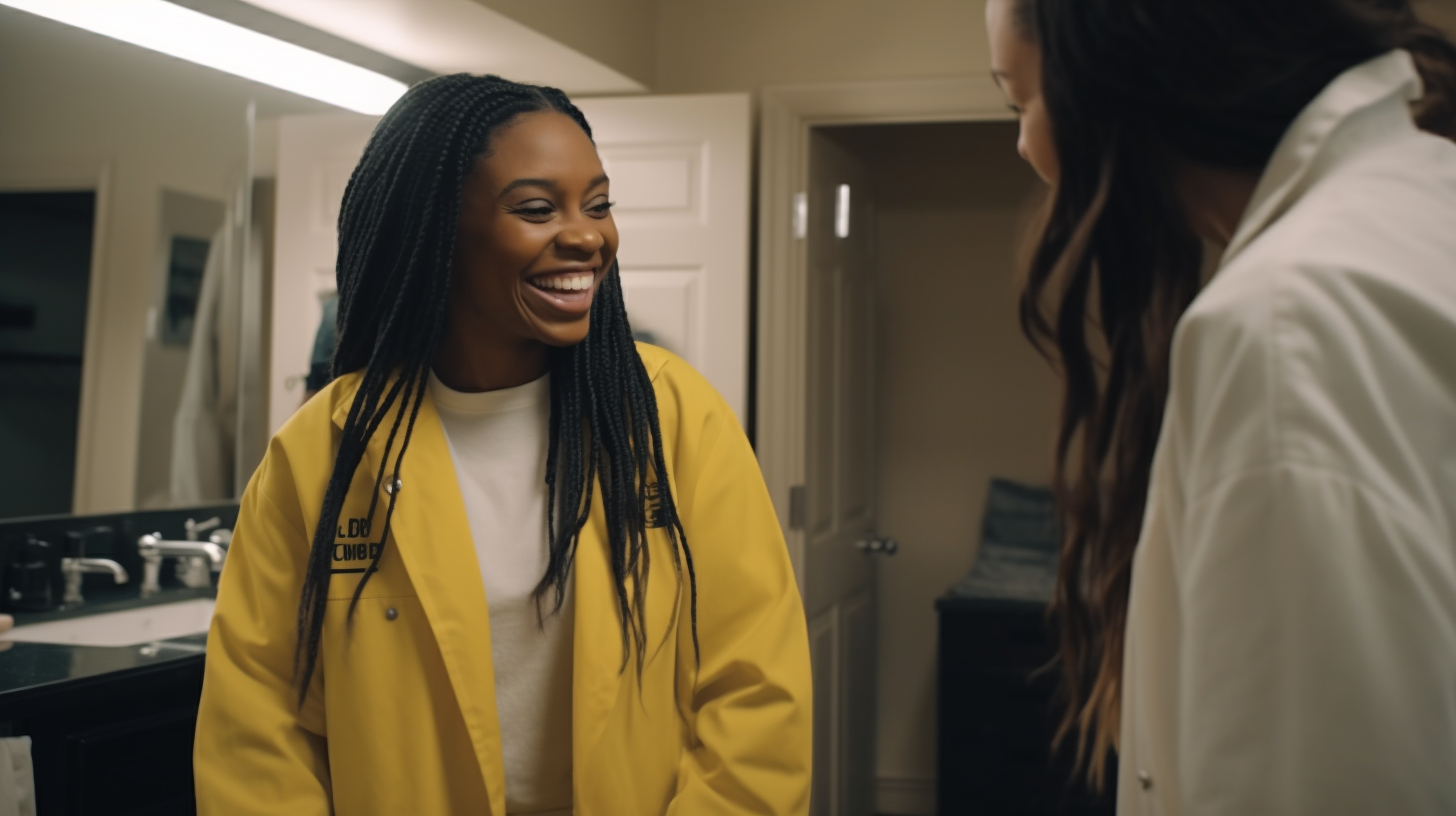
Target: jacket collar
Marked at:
1322, 135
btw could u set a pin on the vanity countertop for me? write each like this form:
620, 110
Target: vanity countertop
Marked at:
29, 671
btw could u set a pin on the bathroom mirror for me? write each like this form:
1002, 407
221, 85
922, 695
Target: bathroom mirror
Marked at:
135, 205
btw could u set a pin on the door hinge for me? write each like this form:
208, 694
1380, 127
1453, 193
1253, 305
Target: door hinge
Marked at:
798, 506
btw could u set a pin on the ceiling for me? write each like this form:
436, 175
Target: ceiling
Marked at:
449, 36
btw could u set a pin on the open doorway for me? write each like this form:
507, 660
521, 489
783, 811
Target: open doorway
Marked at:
938, 212
45, 281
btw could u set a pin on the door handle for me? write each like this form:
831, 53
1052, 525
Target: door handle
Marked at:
876, 544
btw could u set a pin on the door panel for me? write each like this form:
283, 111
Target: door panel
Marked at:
857, 744
680, 177
824, 645
839, 580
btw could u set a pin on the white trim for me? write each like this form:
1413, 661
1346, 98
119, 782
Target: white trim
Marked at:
39, 175
904, 797
786, 115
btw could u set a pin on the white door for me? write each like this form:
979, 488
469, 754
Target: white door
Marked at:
680, 177
316, 155
838, 510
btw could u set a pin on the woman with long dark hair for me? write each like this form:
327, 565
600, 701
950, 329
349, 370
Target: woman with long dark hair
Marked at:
1256, 473
509, 561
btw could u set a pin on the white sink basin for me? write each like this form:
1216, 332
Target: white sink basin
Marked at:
129, 627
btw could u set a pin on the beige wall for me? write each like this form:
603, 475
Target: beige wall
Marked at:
68, 97
712, 45
1440, 12
962, 396
700, 46
621, 34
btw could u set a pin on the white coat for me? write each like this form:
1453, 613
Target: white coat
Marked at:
1291, 637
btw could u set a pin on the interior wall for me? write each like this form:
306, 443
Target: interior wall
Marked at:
621, 34
710, 45
962, 395
68, 96
1441, 13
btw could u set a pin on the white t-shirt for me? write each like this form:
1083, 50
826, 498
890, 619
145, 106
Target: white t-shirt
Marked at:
498, 442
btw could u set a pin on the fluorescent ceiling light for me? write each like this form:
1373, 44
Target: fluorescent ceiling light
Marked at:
196, 37
841, 212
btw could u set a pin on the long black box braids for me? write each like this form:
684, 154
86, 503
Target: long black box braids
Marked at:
397, 230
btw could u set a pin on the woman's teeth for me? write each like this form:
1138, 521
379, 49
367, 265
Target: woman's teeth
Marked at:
565, 283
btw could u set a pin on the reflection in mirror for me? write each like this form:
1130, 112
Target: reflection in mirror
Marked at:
45, 269
131, 350
188, 238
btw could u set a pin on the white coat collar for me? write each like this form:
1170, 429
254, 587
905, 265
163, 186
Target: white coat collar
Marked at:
1316, 134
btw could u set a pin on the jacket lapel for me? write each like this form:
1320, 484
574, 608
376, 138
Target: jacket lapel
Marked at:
431, 534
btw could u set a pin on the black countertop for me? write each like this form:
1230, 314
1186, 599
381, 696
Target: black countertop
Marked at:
30, 673
31, 670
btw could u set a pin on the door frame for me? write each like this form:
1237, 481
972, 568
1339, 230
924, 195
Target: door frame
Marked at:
37, 174
786, 115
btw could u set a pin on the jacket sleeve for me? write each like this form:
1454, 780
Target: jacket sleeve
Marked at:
256, 751
747, 703
1313, 561
1318, 651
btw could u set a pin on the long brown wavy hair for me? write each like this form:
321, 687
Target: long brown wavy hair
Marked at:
1131, 87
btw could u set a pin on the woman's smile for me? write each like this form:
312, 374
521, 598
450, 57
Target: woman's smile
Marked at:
569, 291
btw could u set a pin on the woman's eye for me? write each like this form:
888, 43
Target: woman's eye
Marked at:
601, 210
533, 211
1016, 109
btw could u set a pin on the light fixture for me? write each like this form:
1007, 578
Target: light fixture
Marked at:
193, 36
841, 212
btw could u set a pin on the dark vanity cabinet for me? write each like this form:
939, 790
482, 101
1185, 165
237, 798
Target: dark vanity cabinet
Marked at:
116, 743
111, 727
997, 715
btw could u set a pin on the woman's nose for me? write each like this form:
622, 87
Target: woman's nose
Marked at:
584, 238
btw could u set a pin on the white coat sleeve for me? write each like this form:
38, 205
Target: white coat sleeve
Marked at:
1318, 650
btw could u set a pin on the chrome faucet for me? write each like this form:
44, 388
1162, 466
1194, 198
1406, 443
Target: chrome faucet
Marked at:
192, 570
74, 568
193, 527
153, 548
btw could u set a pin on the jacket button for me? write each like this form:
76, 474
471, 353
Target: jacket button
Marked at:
394, 487
392, 613
1144, 778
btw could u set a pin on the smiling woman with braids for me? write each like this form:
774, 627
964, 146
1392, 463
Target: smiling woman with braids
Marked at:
509, 561
1256, 475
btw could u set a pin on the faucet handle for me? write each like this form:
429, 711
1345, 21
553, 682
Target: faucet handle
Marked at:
193, 527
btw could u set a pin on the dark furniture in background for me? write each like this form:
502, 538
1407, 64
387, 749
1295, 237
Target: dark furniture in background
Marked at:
111, 727
996, 719
114, 743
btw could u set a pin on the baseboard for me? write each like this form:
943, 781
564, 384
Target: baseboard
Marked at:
904, 797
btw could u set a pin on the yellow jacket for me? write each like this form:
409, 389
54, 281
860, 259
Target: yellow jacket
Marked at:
400, 718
